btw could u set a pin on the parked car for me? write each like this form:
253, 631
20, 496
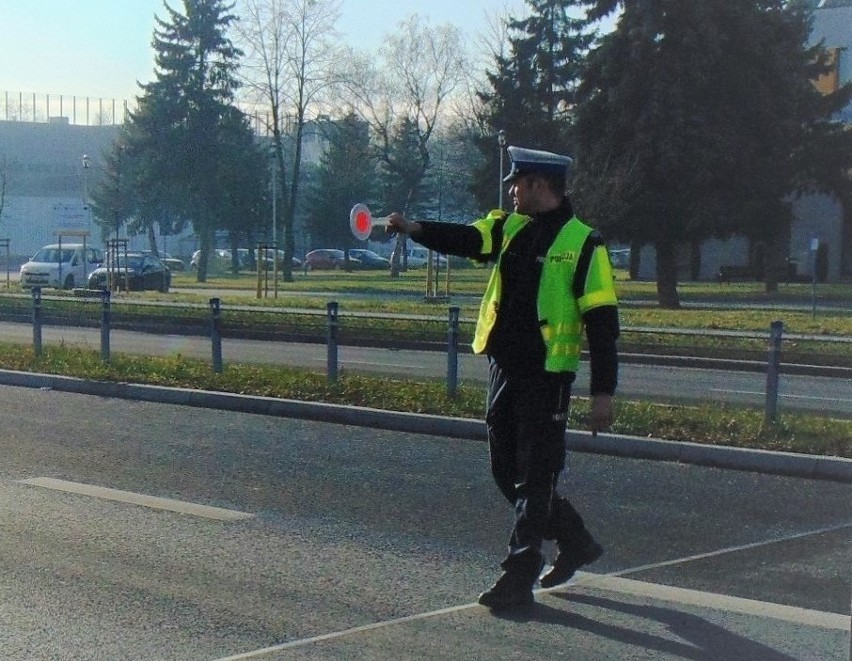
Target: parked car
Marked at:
135, 271
328, 258
63, 266
294, 261
219, 260
173, 263
369, 260
418, 256
620, 258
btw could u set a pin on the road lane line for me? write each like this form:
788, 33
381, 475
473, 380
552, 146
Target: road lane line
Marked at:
302, 642
610, 583
615, 582
733, 549
720, 602
179, 506
375, 364
371, 363
755, 392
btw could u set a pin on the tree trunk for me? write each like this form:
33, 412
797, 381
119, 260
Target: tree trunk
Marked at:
205, 245
776, 261
667, 295
695, 261
396, 256
635, 259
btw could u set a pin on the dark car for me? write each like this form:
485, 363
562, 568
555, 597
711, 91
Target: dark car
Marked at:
328, 258
173, 263
369, 259
294, 261
135, 271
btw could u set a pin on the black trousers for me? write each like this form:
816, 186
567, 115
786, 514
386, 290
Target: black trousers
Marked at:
526, 417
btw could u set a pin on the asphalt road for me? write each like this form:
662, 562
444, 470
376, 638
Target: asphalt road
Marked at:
341, 542
657, 383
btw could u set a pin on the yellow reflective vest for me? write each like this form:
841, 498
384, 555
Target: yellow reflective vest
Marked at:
559, 312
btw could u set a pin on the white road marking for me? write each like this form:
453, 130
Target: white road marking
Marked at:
763, 394
169, 504
615, 582
721, 602
372, 363
733, 549
302, 642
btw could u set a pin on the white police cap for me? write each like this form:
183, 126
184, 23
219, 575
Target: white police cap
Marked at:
529, 161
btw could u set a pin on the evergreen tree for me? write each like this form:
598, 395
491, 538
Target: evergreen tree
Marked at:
403, 168
113, 199
346, 176
697, 119
243, 182
533, 89
447, 190
179, 132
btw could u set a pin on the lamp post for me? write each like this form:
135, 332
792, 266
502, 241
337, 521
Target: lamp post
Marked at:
501, 141
85, 160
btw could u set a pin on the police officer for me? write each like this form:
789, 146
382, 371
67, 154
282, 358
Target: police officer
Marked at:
551, 278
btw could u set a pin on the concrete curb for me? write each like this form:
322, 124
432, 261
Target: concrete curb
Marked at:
760, 461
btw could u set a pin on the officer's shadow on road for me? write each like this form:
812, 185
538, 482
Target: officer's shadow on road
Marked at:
705, 641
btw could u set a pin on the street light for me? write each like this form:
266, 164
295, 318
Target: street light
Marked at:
85, 160
501, 141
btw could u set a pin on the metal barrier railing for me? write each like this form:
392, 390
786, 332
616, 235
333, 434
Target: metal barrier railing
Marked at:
333, 326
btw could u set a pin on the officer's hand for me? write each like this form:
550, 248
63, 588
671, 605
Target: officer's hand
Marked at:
397, 224
600, 415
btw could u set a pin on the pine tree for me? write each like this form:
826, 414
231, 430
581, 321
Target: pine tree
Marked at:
179, 130
533, 89
695, 121
346, 176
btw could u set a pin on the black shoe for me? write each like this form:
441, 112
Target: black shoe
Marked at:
569, 561
509, 592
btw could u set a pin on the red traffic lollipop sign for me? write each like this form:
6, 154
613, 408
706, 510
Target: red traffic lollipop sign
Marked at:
361, 221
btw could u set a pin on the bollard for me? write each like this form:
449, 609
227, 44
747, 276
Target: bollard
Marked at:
105, 324
333, 326
216, 334
776, 330
37, 321
453, 353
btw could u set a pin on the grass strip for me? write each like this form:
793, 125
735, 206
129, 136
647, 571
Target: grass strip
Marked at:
714, 423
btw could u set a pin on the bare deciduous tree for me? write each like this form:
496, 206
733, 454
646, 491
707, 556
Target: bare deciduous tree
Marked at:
291, 57
419, 70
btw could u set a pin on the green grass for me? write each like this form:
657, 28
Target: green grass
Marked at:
713, 424
716, 423
472, 281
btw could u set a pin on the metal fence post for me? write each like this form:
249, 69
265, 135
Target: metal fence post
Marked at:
105, 325
453, 353
216, 334
333, 325
37, 320
776, 330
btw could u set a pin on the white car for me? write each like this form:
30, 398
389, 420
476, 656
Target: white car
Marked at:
218, 260
63, 266
418, 256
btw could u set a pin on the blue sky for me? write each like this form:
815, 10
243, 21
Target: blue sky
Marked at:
99, 48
